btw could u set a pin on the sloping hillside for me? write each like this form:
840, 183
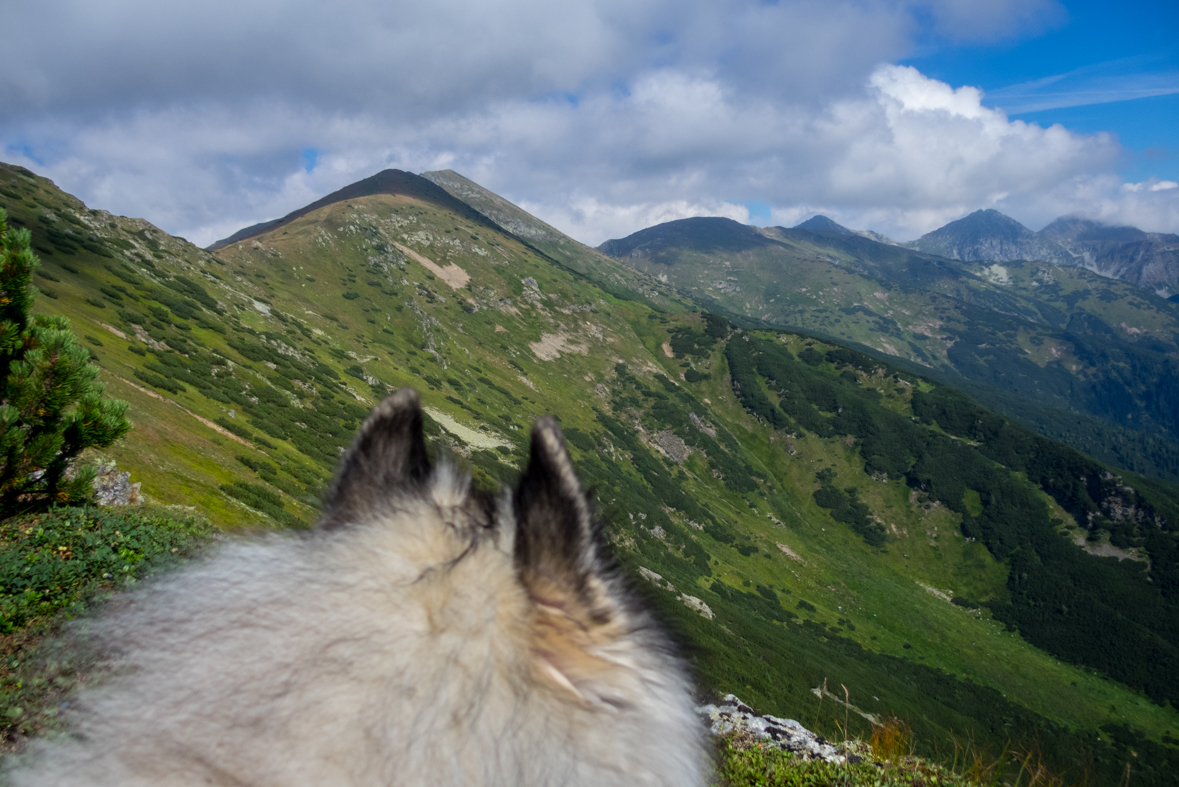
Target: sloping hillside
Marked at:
1053, 346
772, 493
603, 271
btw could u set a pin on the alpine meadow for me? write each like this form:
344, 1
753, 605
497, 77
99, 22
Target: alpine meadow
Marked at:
863, 484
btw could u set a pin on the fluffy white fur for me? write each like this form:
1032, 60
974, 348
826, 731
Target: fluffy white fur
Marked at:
404, 649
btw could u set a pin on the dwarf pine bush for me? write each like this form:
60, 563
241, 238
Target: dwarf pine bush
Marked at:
51, 405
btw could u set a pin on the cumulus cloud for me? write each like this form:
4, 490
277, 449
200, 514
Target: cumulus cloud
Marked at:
585, 216
601, 117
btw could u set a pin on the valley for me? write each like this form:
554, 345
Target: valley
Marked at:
842, 518
1045, 344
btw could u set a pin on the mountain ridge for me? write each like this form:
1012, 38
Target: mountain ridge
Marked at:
1148, 260
797, 518
990, 236
389, 181
1010, 326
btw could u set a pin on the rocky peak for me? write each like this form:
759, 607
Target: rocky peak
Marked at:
988, 235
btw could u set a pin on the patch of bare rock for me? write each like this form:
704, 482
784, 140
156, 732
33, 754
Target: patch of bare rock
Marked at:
732, 716
112, 488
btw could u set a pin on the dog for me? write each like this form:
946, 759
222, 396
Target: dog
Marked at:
422, 633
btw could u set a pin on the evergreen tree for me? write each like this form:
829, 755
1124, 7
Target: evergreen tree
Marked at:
51, 405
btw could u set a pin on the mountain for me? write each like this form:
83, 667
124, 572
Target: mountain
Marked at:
705, 234
534, 233
1073, 355
821, 223
988, 235
1147, 259
390, 182
798, 511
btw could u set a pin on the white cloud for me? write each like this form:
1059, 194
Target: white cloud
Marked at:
601, 117
1098, 83
1150, 185
586, 217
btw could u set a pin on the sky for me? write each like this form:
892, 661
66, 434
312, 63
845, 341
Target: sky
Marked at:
604, 117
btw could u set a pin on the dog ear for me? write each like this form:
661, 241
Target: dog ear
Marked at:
579, 606
555, 543
388, 454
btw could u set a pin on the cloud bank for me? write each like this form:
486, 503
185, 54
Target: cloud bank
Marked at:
601, 117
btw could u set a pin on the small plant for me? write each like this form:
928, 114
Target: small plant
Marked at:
52, 565
892, 741
53, 560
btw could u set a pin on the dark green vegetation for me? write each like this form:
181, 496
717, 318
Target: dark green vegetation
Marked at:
1114, 616
782, 493
51, 407
54, 560
1090, 361
55, 564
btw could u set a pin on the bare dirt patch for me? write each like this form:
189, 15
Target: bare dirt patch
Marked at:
451, 274
471, 437
790, 553
552, 345
115, 331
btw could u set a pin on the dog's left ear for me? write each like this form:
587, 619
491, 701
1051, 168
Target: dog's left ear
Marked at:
387, 456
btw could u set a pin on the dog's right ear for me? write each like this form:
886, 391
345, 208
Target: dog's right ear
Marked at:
387, 455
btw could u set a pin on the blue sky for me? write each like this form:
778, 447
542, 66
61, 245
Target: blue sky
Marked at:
1100, 62
603, 117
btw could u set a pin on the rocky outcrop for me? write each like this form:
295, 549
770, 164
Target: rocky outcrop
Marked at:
672, 445
112, 488
732, 716
691, 602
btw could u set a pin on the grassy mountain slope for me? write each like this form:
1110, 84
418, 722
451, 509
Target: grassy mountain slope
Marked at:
299, 329
604, 271
1061, 337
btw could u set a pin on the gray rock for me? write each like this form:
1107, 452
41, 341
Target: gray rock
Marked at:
674, 446
733, 715
112, 488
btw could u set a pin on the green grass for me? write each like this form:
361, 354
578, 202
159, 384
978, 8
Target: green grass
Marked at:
884, 760
55, 566
470, 352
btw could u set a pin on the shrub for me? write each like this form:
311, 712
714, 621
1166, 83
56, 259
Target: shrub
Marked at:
262, 499
52, 560
51, 406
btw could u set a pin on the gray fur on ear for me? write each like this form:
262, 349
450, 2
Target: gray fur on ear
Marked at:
555, 542
387, 455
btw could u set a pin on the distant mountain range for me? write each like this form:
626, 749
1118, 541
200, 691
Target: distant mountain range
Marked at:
842, 519
990, 236
821, 223
1147, 259
1083, 358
